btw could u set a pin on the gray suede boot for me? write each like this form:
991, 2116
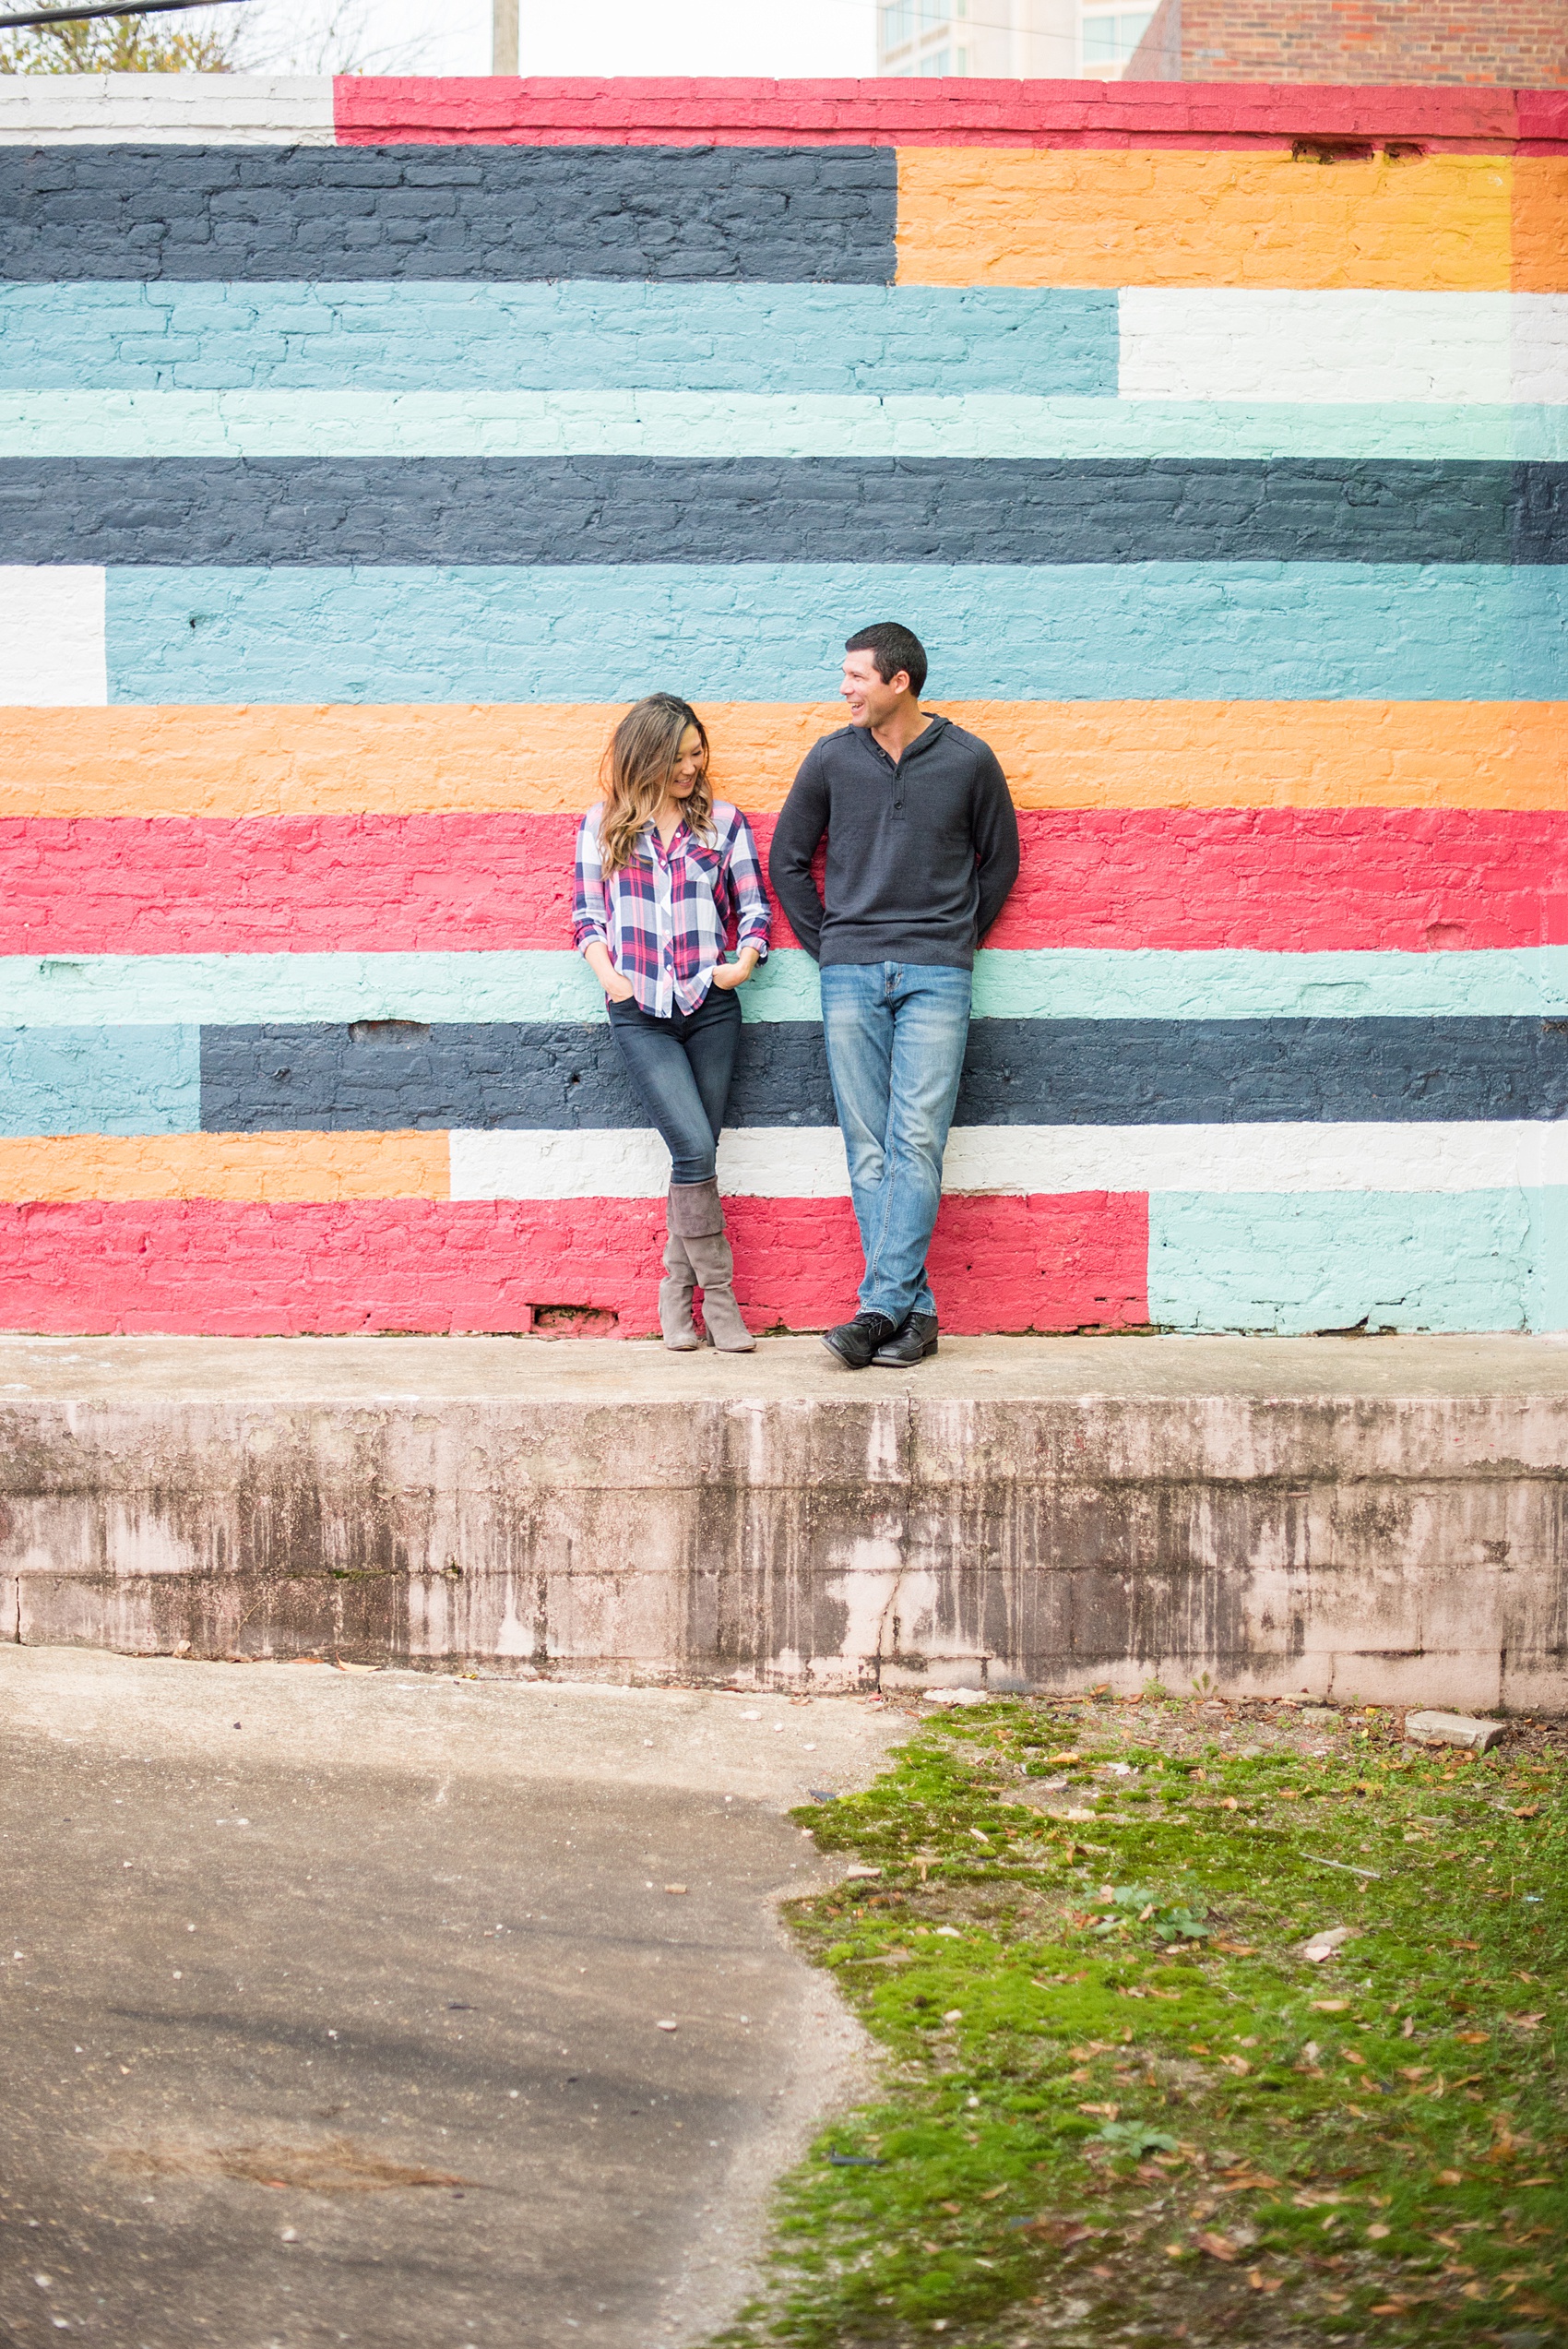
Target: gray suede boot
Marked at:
675, 1323
715, 1268
696, 1217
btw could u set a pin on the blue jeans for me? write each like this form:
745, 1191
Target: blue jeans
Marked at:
895, 1033
680, 1069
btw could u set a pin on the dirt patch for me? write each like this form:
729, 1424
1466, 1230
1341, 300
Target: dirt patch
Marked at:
337, 2167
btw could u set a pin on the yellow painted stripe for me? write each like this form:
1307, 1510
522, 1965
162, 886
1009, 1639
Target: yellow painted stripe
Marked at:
419, 760
280, 1168
1540, 224
1077, 216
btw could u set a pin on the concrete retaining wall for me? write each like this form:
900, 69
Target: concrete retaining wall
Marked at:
1379, 1519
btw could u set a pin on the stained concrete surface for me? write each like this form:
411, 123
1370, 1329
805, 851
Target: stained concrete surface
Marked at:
1372, 1518
331, 2002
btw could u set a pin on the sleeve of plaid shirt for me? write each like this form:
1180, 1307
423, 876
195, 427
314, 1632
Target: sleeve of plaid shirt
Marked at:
590, 913
754, 915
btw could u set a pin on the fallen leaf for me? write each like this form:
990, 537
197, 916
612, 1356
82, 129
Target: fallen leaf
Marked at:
1053, 1759
1450, 2178
1261, 2282
954, 2209
1472, 2038
1229, 1804
1524, 2022
991, 2193
674, 1888
1377, 2231
1330, 2006
1219, 2247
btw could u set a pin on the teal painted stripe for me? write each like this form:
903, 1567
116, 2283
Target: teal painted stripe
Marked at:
1198, 631
469, 336
1232, 982
661, 422
100, 1079
1050, 984
1290, 1263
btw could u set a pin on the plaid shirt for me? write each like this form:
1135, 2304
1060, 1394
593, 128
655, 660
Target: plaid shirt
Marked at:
668, 915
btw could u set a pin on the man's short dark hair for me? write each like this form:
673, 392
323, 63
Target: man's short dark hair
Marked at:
892, 647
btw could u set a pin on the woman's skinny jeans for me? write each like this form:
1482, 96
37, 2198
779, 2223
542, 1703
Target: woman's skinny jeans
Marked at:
680, 1069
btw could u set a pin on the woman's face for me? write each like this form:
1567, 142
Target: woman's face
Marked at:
688, 765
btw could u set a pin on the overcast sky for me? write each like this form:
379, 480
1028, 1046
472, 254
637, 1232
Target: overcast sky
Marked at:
601, 37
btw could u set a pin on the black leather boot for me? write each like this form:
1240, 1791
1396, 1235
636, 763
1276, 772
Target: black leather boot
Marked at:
855, 1343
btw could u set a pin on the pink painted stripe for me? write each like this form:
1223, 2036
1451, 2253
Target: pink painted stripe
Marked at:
1279, 879
378, 110
201, 1268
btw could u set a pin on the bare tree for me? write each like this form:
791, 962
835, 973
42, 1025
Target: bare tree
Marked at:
126, 45
322, 37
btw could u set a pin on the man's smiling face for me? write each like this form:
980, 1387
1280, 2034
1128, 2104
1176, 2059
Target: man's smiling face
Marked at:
870, 702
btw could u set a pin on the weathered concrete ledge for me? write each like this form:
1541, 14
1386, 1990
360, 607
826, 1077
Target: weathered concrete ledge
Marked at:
1384, 1519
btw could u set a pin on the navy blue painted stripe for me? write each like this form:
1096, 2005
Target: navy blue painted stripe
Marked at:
1019, 1072
782, 215
338, 510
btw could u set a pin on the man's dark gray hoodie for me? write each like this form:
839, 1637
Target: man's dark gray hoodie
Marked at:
921, 853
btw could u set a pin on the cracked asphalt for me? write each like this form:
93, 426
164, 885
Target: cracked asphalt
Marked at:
335, 2005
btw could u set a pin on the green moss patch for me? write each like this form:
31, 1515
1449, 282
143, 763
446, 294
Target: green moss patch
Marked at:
1120, 2101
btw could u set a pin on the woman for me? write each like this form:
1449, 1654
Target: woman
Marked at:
663, 874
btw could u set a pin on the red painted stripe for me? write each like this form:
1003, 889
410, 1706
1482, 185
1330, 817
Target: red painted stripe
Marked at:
1287, 879
200, 1268
375, 111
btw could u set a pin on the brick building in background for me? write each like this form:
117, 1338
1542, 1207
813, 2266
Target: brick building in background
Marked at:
1521, 44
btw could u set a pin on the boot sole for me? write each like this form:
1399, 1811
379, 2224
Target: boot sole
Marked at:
902, 1361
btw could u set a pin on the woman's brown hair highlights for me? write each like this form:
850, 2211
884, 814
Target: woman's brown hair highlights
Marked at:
637, 770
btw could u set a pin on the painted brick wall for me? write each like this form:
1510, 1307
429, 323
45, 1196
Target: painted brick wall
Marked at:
1519, 45
364, 449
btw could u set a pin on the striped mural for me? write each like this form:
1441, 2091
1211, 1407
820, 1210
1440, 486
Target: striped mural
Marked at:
364, 448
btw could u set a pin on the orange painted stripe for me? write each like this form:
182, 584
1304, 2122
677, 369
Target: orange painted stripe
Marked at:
420, 759
284, 1169
1061, 216
1540, 224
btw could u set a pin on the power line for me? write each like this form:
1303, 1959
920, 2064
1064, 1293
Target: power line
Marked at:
116, 9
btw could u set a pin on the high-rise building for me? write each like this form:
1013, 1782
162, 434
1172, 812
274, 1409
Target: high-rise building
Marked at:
1046, 39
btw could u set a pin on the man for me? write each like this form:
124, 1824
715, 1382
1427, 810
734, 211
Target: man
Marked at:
922, 848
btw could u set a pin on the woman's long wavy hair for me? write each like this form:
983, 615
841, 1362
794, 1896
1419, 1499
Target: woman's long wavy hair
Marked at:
635, 774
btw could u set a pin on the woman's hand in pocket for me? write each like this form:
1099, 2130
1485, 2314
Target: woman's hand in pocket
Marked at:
729, 976
617, 987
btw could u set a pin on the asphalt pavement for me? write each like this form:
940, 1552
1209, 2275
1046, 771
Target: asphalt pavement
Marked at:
400, 2010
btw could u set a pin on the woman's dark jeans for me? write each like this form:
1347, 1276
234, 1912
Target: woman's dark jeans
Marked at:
680, 1069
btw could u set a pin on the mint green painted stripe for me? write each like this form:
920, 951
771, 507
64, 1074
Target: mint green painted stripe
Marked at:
1289, 1263
1234, 982
663, 422
1065, 983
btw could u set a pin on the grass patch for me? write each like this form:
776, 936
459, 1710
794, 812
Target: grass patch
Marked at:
1120, 2104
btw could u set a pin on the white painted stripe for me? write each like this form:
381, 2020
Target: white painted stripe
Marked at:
1341, 347
1540, 348
807, 1162
162, 110
51, 636
672, 422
